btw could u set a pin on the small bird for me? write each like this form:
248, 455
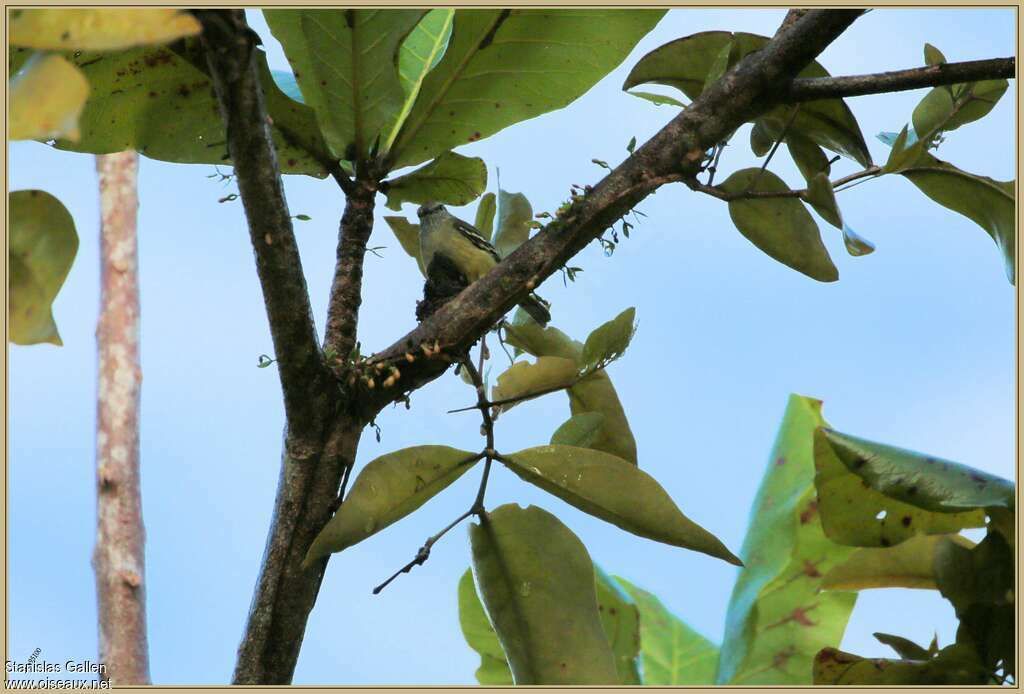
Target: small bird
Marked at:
469, 251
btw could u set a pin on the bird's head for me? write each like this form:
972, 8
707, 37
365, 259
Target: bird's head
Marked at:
429, 208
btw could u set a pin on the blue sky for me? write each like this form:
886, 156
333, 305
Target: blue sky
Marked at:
914, 346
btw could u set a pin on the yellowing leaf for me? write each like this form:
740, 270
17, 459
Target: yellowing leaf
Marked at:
485, 210
47, 97
41, 248
526, 380
388, 489
106, 29
514, 217
907, 565
609, 488
408, 235
537, 583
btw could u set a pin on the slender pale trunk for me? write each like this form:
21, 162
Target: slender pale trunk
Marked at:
119, 559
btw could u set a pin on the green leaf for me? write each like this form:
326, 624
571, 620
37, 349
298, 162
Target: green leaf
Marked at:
781, 227
579, 430
672, 652
823, 199
609, 488
685, 64
47, 97
777, 618
345, 62
504, 66
41, 247
388, 489
537, 583
909, 564
523, 379
856, 244
608, 341
934, 110
988, 203
451, 179
485, 210
479, 634
160, 102
932, 55
658, 99
927, 482
99, 29
980, 584
594, 393
905, 648
408, 236
760, 141
719, 65
953, 665
420, 53
619, 620
854, 513
514, 217
808, 157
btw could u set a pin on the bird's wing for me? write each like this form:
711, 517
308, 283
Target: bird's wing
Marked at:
471, 233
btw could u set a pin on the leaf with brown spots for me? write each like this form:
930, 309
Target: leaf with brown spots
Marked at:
909, 564
777, 621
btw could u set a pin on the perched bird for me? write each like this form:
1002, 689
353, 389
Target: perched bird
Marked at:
469, 251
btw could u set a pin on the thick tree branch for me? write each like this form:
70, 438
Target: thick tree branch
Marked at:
674, 153
230, 52
346, 289
119, 557
811, 88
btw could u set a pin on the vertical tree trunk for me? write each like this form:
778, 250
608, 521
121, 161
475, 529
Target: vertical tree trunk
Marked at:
119, 559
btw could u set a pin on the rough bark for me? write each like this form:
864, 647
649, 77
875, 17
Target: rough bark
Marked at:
119, 556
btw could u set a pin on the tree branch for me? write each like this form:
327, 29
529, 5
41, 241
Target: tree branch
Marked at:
119, 556
716, 192
346, 289
230, 52
812, 88
749, 89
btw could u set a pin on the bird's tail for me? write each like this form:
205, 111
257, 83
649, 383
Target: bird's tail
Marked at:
537, 308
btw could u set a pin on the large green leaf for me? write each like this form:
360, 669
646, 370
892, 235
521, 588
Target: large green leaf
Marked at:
485, 211
808, 157
47, 97
608, 341
579, 430
594, 393
99, 29
777, 619
619, 619
346, 64
953, 665
41, 247
609, 488
910, 564
988, 203
909, 499
420, 53
781, 227
523, 379
503, 66
388, 489
159, 101
408, 235
687, 63
479, 634
451, 179
672, 652
537, 583
924, 481
514, 215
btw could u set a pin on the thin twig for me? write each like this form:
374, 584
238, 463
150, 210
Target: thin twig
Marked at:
716, 192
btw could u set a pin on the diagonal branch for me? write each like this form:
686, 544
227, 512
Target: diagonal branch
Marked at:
811, 88
676, 151
230, 50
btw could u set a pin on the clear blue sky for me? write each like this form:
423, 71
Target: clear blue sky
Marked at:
914, 346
